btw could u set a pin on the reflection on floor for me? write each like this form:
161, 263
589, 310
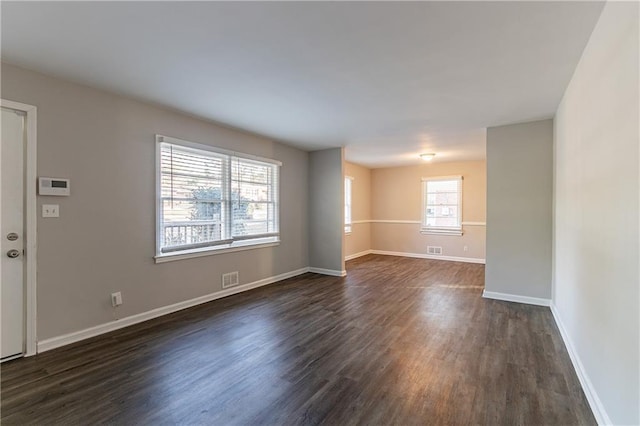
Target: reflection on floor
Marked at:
398, 341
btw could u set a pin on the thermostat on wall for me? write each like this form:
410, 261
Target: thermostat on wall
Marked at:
54, 186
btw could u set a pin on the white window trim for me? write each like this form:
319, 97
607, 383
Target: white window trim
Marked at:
208, 251
350, 224
441, 230
233, 245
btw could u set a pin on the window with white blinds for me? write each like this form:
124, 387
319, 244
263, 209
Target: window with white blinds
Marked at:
442, 205
348, 183
213, 199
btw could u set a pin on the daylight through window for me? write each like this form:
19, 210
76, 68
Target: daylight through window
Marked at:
348, 183
213, 199
442, 205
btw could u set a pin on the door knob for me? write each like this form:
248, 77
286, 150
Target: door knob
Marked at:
13, 253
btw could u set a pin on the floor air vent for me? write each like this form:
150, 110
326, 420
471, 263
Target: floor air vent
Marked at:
434, 250
230, 279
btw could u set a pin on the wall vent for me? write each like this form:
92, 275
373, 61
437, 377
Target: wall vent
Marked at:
230, 279
434, 250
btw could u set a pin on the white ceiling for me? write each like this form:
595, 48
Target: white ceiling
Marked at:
387, 80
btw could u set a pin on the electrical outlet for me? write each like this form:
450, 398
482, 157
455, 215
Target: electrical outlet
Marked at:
116, 299
466, 248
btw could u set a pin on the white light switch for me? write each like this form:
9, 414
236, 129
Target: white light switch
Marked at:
50, 210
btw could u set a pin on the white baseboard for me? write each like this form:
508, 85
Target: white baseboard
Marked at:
76, 336
332, 272
356, 255
592, 396
428, 256
516, 298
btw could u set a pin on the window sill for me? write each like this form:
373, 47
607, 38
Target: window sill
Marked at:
453, 232
209, 251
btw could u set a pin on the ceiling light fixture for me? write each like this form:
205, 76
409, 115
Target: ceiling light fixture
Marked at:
427, 157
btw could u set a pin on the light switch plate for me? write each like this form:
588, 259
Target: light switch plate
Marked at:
50, 210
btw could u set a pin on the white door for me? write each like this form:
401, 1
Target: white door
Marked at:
12, 232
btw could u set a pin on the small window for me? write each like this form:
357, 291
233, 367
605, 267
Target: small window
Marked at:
348, 183
211, 199
442, 205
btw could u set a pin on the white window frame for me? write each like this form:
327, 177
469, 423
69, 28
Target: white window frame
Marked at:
441, 230
217, 247
348, 204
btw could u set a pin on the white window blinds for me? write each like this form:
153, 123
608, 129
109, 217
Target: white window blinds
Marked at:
254, 195
442, 205
212, 199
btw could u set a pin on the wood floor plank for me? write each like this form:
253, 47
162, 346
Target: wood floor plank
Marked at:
397, 341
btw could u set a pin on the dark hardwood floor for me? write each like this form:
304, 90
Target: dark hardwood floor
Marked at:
399, 341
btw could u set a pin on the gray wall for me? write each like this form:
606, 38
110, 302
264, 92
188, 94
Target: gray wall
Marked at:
597, 237
519, 209
326, 209
104, 240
